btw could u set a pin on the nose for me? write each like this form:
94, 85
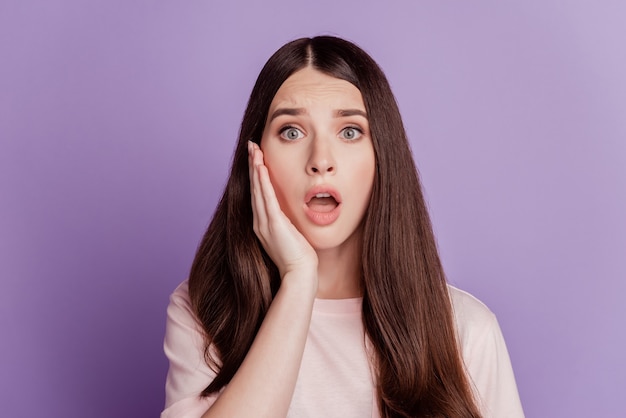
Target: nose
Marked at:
321, 160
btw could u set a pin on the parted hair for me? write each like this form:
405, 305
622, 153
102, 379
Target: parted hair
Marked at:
406, 311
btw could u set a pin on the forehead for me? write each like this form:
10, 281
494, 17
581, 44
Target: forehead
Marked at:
308, 87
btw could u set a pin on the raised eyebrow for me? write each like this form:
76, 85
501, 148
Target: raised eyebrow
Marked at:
342, 113
287, 111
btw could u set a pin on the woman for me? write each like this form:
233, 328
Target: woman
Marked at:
317, 290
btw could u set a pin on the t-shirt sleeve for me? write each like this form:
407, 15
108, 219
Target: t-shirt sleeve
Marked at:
188, 372
486, 358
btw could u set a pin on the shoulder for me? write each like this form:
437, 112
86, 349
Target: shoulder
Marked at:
182, 326
471, 316
180, 309
180, 296
467, 305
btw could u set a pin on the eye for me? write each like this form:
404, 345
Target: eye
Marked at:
351, 133
290, 133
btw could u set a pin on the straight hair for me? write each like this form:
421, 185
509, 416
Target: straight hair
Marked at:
406, 311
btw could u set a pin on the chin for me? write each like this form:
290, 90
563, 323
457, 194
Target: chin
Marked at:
322, 240
323, 244
329, 240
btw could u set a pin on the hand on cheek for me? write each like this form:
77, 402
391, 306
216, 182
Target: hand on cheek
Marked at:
287, 247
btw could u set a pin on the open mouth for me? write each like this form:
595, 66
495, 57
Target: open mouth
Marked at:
322, 205
322, 202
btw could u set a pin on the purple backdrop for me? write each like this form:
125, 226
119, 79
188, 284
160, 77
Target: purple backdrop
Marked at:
117, 122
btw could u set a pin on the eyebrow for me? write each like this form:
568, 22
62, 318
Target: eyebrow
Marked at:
287, 111
341, 113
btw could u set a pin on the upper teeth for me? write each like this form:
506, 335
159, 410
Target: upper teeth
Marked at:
322, 195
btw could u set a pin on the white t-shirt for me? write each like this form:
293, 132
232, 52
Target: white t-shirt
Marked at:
335, 378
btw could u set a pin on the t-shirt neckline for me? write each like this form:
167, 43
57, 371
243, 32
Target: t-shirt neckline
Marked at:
338, 306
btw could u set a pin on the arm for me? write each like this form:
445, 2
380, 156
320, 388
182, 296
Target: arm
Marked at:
264, 384
278, 347
189, 374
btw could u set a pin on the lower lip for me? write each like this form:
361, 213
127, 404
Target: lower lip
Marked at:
322, 218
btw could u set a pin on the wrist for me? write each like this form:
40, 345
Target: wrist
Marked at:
302, 283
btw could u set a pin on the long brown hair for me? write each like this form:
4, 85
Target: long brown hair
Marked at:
407, 313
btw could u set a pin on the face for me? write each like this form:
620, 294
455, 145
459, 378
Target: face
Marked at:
319, 153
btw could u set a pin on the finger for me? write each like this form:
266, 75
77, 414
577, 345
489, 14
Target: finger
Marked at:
253, 192
251, 169
257, 154
257, 161
253, 159
258, 203
272, 206
269, 195
250, 166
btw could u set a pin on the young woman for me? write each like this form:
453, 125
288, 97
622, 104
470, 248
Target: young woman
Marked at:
317, 290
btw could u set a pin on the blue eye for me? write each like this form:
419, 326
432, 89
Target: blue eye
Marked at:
290, 133
351, 133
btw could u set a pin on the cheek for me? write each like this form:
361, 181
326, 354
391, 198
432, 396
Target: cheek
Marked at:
364, 172
280, 178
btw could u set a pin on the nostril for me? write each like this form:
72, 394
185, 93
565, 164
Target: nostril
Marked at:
324, 169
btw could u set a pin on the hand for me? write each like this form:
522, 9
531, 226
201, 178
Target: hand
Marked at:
286, 246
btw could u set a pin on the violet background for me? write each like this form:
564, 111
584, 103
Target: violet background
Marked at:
117, 124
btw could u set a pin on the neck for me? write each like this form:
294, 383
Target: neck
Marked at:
339, 271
